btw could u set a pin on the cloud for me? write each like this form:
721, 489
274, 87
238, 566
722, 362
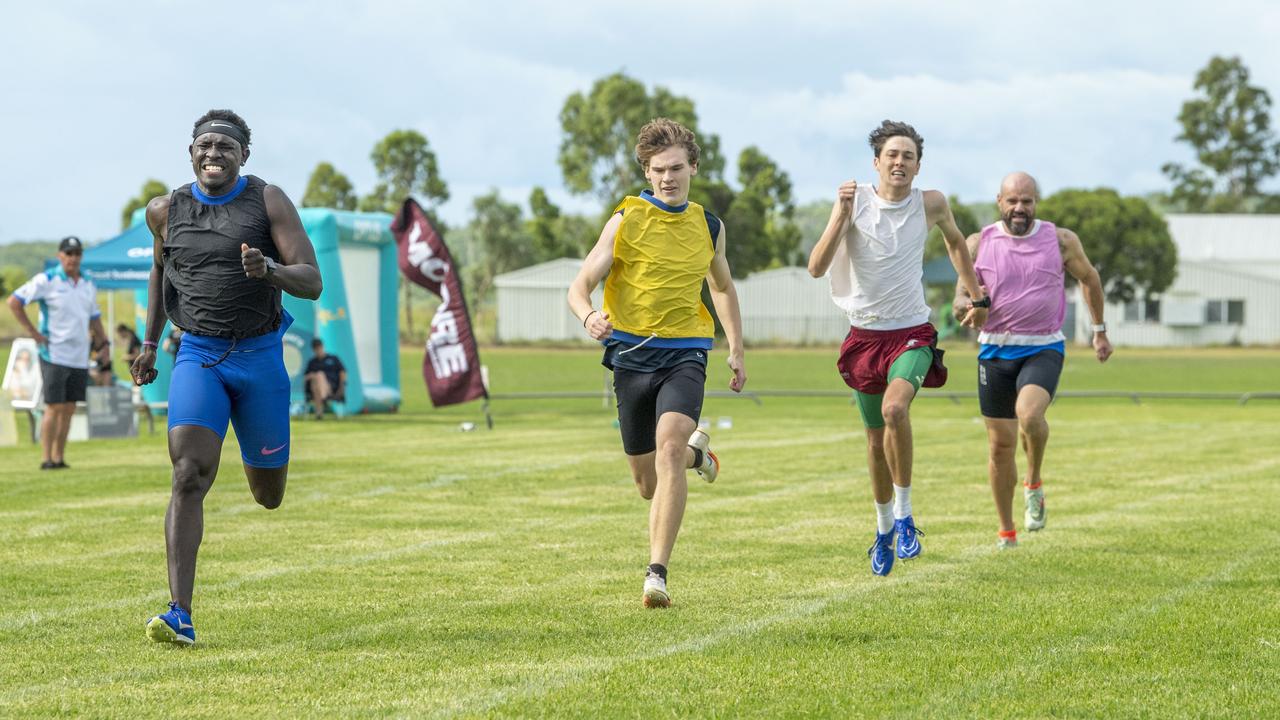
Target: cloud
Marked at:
1103, 128
99, 97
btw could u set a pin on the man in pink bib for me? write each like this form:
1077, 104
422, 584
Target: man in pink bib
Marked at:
1020, 262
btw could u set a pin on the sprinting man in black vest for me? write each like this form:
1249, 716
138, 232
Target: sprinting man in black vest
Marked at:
226, 245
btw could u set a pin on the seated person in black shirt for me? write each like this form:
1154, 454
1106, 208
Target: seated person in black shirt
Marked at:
326, 378
132, 344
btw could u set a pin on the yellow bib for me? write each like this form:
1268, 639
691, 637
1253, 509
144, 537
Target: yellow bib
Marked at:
660, 259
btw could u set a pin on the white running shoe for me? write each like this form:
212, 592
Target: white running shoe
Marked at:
1007, 543
1035, 509
710, 467
655, 591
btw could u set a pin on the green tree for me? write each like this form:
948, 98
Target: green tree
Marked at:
554, 234
760, 219
150, 189
597, 149
405, 165
28, 256
12, 277
1124, 238
1228, 124
545, 226
935, 246
329, 188
499, 242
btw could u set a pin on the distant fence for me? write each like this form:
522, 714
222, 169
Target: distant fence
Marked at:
606, 395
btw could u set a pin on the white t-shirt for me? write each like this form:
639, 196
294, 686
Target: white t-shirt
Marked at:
877, 273
66, 308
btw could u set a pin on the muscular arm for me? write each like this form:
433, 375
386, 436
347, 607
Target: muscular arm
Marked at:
960, 307
298, 274
98, 333
725, 297
20, 312
837, 225
594, 268
143, 367
938, 212
1076, 263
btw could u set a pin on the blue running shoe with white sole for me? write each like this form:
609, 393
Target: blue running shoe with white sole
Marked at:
881, 553
172, 627
908, 537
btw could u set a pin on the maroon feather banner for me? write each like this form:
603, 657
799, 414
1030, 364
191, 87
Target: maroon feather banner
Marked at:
451, 367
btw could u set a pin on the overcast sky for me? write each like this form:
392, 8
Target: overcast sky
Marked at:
97, 97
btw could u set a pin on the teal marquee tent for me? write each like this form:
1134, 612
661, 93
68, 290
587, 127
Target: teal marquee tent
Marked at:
356, 316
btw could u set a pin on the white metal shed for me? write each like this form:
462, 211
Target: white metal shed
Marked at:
788, 306
1227, 290
532, 305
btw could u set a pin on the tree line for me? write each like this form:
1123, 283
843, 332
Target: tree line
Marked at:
1226, 123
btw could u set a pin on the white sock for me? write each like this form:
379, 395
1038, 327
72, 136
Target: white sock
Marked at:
884, 517
901, 502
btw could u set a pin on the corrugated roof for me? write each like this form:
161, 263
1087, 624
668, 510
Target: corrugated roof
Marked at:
559, 272
1226, 237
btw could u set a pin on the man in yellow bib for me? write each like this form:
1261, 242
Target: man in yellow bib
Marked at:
656, 249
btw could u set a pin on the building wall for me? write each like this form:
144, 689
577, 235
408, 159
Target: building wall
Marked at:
530, 312
1183, 314
786, 305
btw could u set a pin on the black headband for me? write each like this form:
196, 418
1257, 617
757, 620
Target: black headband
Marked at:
222, 127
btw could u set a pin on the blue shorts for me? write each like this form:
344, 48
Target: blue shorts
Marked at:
250, 388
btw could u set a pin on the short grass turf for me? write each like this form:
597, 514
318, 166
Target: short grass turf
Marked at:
415, 570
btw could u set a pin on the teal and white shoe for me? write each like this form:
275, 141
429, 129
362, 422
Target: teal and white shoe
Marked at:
1007, 543
709, 470
1035, 509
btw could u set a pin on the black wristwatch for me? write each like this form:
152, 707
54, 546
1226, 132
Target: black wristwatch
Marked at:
271, 266
983, 303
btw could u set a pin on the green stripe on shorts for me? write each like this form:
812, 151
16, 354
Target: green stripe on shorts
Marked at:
911, 366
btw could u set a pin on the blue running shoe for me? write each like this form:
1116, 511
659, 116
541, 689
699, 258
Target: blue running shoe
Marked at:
172, 627
908, 540
881, 553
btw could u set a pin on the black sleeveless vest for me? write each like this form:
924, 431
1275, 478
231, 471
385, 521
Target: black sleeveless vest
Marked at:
205, 289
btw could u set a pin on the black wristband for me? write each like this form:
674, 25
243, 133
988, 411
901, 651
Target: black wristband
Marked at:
983, 303
588, 317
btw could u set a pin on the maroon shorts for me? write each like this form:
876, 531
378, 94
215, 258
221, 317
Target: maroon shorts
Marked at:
867, 355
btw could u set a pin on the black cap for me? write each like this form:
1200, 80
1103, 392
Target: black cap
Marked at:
70, 243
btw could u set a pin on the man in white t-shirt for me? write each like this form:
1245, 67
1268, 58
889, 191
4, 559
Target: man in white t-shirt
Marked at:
873, 252
68, 314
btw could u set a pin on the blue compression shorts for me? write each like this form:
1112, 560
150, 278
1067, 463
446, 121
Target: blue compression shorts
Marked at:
249, 387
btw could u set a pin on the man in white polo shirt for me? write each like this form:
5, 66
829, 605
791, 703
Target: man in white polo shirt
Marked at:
68, 313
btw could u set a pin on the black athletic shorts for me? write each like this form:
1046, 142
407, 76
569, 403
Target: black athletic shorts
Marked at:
999, 381
63, 384
644, 396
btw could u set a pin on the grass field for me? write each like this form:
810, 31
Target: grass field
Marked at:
418, 571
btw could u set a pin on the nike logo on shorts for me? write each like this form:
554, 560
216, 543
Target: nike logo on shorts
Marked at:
265, 451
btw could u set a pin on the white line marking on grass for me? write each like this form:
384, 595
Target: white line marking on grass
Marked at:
1062, 653
443, 480
1268, 643
552, 679
36, 617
